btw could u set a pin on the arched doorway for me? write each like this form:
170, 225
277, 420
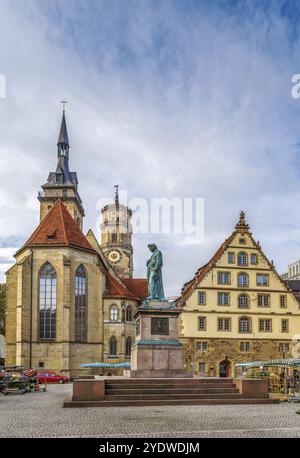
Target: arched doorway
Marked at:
225, 368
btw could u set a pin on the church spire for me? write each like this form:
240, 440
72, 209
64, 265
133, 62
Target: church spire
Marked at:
63, 139
62, 183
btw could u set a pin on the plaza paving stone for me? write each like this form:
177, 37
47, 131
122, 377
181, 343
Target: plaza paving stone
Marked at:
42, 415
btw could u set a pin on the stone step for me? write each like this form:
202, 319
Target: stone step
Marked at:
116, 397
167, 386
173, 381
163, 392
168, 402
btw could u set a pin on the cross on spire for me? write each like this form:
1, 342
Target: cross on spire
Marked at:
64, 102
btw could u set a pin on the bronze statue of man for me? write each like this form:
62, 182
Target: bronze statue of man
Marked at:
154, 274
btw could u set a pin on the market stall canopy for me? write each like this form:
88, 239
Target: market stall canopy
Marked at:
250, 364
290, 362
107, 365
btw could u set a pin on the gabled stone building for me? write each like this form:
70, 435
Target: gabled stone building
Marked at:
66, 303
237, 308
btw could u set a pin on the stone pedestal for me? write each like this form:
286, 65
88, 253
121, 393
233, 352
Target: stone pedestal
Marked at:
157, 352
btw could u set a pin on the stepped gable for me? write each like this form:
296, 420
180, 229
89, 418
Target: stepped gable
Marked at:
241, 227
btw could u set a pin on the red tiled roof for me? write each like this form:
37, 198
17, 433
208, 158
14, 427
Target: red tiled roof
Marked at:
59, 228
114, 288
139, 286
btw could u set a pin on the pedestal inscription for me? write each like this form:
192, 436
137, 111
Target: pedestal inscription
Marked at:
160, 326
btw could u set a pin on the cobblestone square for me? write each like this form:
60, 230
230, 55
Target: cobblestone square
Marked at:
42, 415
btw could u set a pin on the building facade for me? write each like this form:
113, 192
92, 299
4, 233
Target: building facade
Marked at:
293, 272
236, 308
66, 301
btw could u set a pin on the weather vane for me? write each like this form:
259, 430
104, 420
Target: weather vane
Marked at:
116, 193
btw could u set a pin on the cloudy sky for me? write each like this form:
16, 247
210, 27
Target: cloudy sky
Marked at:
181, 98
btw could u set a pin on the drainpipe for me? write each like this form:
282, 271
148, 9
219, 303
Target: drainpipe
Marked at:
30, 312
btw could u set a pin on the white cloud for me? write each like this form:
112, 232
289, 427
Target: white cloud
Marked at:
164, 100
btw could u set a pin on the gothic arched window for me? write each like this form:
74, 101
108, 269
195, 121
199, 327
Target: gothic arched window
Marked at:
80, 304
113, 313
47, 302
128, 346
112, 346
129, 313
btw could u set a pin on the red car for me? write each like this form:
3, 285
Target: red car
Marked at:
51, 377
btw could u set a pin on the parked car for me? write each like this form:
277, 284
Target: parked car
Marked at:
51, 377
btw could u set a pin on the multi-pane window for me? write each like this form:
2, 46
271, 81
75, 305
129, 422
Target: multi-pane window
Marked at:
283, 301
265, 325
201, 298
202, 367
128, 313
262, 280
263, 300
128, 346
113, 313
284, 347
202, 346
253, 258
243, 301
245, 346
47, 302
244, 324
243, 280
202, 323
284, 325
224, 324
223, 298
223, 278
80, 304
231, 257
242, 241
242, 259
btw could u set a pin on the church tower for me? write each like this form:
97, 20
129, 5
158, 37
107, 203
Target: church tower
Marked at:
116, 237
62, 183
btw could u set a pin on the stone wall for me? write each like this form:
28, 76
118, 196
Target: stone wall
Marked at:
227, 349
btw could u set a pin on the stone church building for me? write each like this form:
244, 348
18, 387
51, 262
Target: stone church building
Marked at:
70, 297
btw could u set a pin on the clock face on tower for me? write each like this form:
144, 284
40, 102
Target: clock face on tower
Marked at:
114, 256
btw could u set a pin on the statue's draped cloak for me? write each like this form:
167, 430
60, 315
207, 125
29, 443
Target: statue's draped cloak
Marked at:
154, 276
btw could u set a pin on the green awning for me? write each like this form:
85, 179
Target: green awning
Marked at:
289, 362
